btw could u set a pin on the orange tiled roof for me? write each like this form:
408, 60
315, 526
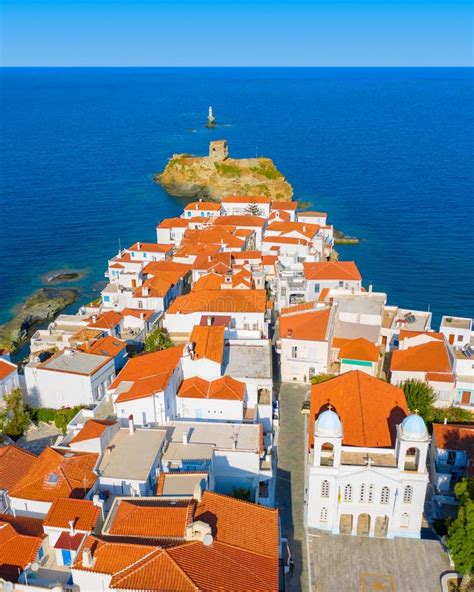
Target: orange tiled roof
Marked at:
225, 301
210, 206
209, 281
14, 463
110, 558
160, 520
246, 199
284, 205
307, 229
178, 270
224, 388
208, 262
427, 357
248, 255
359, 349
173, 223
409, 334
7, 368
105, 346
137, 313
83, 512
24, 524
16, 551
297, 307
208, 342
309, 325
148, 374
108, 320
150, 247
279, 215
331, 270
452, 436
246, 220
439, 377
155, 287
313, 214
57, 473
369, 408
93, 428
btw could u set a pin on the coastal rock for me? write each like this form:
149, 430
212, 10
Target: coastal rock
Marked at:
44, 304
215, 176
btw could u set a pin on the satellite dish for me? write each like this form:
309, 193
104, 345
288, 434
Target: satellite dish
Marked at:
207, 540
35, 566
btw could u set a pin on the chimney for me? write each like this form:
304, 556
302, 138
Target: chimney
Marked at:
445, 420
72, 530
87, 559
185, 437
94, 318
142, 315
370, 288
209, 321
145, 291
99, 503
131, 425
197, 493
289, 333
199, 531
139, 246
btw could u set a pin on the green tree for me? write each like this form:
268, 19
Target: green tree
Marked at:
453, 415
420, 398
14, 419
460, 539
321, 378
157, 340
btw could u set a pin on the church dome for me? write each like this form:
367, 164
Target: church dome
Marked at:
414, 428
328, 424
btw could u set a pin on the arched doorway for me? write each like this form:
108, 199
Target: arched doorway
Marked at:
363, 525
345, 524
327, 455
381, 526
412, 459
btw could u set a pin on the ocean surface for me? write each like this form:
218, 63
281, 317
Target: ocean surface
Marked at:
388, 153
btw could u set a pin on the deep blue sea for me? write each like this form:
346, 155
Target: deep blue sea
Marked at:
388, 153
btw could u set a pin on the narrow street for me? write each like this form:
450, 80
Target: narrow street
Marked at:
290, 479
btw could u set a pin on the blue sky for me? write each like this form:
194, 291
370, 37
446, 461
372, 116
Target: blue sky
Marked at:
244, 33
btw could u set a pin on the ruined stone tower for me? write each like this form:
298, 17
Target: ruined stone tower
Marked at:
218, 150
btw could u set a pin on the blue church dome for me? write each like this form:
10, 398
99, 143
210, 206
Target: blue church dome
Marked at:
328, 424
414, 428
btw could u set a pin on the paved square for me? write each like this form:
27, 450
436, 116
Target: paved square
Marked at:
361, 564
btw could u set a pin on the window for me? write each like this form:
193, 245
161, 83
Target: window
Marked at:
53, 479
294, 351
363, 493
371, 494
348, 493
317, 287
451, 460
385, 495
106, 298
325, 489
341, 284
407, 494
140, 304
324, 515
405, 520
459, 337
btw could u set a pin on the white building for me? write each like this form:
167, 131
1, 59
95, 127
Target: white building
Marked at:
457, 330
305, 338
68, 378
331, 274
367, 459
237, 205
8, 377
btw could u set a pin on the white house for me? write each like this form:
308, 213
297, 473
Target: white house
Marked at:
204, 355
331, 274
8, 377
305, 338
239, 204
146, 387
68, 378
202, 209
458, 330
171, 231
147, 252
312, 217
247, 309
366, 459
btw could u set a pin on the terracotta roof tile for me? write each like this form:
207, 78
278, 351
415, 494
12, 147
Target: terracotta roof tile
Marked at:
245, 199
7, 368
151, 247
16, 551
93, 428
240, 220
107, 320
427, 357
208, 342
222, 301
331, 270
224, 388
57, 473
25, 524
105, 346
284, 205
309, 325
359, 349
14, 463
369, 408
83, 512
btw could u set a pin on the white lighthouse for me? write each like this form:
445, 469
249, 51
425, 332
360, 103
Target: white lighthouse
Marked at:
210, 118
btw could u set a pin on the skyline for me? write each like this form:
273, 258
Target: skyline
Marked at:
311, 33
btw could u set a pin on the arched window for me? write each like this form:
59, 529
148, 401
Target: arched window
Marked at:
363, 493
405, 520
327, 454
348, 493
325, 489
407, 494
324, 515
385, 495
371, 494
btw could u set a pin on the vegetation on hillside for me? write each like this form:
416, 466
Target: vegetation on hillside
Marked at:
228, 170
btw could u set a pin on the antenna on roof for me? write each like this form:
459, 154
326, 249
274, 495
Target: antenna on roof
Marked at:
120, 245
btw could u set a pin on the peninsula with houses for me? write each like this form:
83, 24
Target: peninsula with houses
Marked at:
245, 414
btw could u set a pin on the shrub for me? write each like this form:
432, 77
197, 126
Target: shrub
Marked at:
321, 378
242, 493
420, 398
157, 340
14, 419
228, 170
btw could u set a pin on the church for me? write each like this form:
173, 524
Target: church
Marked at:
366, 472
